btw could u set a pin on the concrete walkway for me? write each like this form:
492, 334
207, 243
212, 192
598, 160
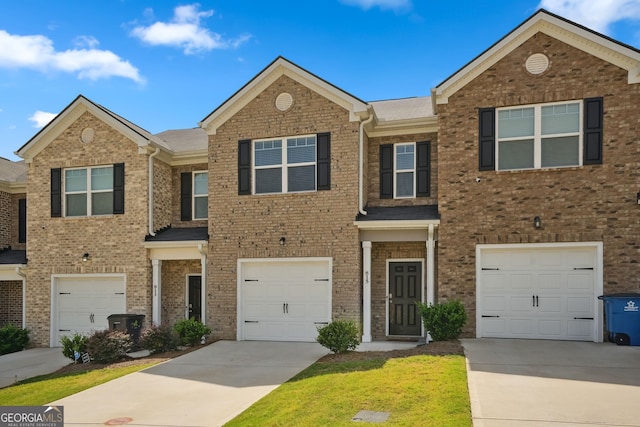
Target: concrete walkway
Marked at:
524, 383
207, 387
30, 363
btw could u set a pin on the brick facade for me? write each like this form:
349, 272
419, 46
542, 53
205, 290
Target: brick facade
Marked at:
588, 203
174, 286
6, 219
251, 226
11, 303
56, 245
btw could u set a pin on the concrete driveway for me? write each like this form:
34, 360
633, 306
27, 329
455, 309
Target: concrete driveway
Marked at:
207, 387
25, 364
524, 383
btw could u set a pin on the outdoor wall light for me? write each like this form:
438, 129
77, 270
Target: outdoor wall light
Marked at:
638, 198
85, 257
282, 241
537, 222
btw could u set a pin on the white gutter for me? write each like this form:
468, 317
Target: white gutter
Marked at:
361, 177
151, 156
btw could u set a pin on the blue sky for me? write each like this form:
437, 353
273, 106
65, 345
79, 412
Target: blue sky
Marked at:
166, 65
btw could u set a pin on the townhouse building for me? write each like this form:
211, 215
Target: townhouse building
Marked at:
513, 187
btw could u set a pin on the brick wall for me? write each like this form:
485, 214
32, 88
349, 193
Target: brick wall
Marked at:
315, 224
589, 203
56, 245
162, 194
373, 173
5, 219
11, 303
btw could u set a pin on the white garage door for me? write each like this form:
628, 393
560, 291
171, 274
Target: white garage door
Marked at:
537, 293
82, 304
284, 300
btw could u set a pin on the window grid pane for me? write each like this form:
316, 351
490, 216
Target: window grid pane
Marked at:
405, 157
516, 154
404, 184
201, 208
301, 150
301, 178
268, 153
76, 204
102, 178
102, 203
200, 183
268, 181
516, 122
561, 151
75, 180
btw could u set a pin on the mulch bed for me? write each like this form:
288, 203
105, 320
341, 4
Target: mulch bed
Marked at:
440, 348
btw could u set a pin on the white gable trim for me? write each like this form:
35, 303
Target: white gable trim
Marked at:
69, 115
543, 22
281, 67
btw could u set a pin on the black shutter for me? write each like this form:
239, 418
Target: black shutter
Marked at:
22, 221
386, 171
118, 188
593, 118
323, 152
487, 139
185, 196
56, 193
423, 169
244, 167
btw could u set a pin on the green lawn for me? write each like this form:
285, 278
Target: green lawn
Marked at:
48, 388
418, 390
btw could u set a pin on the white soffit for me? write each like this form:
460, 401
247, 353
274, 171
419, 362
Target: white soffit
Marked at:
278, 68
570, 33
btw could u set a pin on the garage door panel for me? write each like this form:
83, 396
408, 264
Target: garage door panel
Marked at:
285, 300
547, 290
82, 304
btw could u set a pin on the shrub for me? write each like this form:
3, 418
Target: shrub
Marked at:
191, 332
109, 345
339, 336
443, 321
13, 339
77, 344
158, 339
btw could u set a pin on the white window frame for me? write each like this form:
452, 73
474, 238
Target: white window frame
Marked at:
194, 195
88, 191
537, 134
396, 171
284, 165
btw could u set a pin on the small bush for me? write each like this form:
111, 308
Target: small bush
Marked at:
158, 339
13, 339
191, 331
443, 321
77, 344
109, 345
339, 336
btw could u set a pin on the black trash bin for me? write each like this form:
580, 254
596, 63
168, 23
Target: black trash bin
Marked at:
129, 323
622, 314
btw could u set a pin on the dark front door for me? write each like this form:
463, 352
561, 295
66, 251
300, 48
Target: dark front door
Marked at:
195, 298
405, 288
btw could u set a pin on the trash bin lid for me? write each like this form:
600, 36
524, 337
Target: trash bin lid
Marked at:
621, 295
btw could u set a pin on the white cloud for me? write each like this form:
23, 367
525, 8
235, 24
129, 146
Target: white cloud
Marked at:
186, 32
41, 118
397, 5
37, 52
86, 41
596, 15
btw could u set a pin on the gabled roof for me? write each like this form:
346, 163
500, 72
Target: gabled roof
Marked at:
402, 116
571, 33
12, 172
279, 67
71, 113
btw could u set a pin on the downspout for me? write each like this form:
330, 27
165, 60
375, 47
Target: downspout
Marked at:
151, 156
203, 285
24, 296
361, 157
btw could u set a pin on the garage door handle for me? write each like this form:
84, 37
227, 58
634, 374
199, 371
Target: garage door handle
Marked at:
486, 315
119, 293
65, 293
583, 318
320, 323
64, 330
321, 280
583, 268
487, 268
250, 280
250, 321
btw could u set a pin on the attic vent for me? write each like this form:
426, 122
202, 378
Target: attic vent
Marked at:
87, 135
537, 63
284, 101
